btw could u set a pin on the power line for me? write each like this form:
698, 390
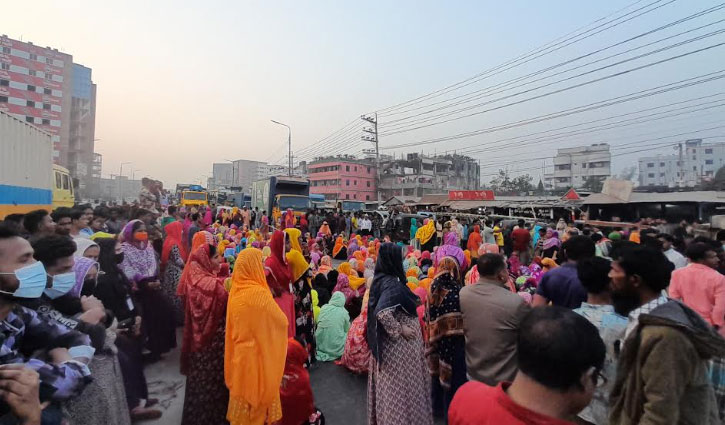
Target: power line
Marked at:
487, 91
665, 88
526, 57
561, 90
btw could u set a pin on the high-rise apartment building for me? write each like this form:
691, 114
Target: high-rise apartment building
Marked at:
339, 178
573, 167
43, 86
698, 163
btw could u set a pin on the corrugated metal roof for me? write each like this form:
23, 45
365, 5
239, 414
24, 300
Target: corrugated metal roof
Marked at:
653, 197
433, 199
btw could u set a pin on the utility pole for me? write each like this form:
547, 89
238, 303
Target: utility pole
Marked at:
289, 143
681, 160
374, 139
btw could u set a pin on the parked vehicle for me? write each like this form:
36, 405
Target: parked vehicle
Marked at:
28, 178
194, 196
277, 194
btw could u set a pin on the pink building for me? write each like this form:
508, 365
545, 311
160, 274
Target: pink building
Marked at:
339, 179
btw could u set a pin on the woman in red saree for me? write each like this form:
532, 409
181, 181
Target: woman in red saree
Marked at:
202, 350
279, 277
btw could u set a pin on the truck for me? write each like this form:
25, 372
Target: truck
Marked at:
277, 194
193, 196
29, 179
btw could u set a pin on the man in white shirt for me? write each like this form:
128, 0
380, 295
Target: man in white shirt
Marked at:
366, 226
675, 257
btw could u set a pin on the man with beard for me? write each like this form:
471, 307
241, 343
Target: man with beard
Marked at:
663, 364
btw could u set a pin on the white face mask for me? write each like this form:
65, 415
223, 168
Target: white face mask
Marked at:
32, 279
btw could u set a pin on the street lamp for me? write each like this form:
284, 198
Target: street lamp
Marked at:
120, 173
289, 142
133, 174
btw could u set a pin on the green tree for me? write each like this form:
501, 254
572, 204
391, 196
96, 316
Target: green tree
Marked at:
504, 184
593, 184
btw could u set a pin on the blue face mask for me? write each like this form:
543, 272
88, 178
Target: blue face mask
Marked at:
32, 279
62, 283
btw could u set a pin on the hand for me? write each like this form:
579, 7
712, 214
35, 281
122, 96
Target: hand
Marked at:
19, 388
88, 303
93, 316
408, 332
59, 355
154, 285
137, 326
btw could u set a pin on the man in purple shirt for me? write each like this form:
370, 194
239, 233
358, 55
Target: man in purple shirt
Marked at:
561, 285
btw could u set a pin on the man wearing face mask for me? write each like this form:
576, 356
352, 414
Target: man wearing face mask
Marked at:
22, 330
663, 364
85, 315
491, 318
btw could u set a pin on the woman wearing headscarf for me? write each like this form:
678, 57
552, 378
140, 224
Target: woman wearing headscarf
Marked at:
450, 248
321, 285
413, 230
398, 382
474, 241
426, 235
86, 248
255, 345
332, 328
302, 291
298, 402
202, 348
325, 265
173, 256
369, 266
356, 354
294, 236
325, 229
114, 290
339, 251
551, 244
445, 352
279, 277
141, 268
289, 219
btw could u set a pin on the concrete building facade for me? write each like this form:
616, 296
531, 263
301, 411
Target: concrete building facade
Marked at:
698, 163
43, 86
343, 178
574, 166
417, 175
221, 175
244, 172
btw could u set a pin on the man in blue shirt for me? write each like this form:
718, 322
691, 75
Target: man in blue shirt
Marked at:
561, 286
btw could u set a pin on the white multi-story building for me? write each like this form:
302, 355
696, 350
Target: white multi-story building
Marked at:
221, 176
574, 166
699, 162
244, 172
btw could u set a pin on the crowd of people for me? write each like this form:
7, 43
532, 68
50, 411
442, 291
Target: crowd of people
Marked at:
475, 322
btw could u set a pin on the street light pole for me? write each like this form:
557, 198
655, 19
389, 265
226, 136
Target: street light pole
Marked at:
289, 143
233, 167
120, 173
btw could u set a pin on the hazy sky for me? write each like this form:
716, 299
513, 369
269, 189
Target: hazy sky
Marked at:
185, 84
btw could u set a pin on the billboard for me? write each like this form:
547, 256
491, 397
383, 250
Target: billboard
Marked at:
471, 195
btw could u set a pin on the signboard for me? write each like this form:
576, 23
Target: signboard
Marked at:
471, 195
620, 189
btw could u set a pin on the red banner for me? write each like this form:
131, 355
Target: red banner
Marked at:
471, 195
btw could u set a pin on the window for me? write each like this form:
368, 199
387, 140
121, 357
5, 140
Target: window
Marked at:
46, 106
66, 185
48, 77
368, 182
708, 161
47, 91
49, 61
709, 150
347, 182
708, 173
5, 66
694, 168
6, 50
651, 175
355, 182
650, 165
32, 72
354, 195
662, 174
29, 119
33, 57
347, 168
4, 83
347, 196
662, 164
694, 157
31, 88
30, 103
3, 99
57, 180
356, 168
584, 165
368, 169
46, 121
